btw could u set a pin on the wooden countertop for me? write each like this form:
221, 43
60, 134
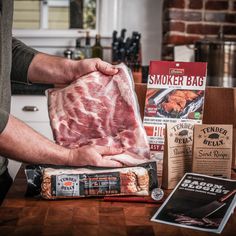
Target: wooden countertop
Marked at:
29, 216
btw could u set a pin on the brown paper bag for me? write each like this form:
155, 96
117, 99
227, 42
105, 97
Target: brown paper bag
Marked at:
220, 108
177, 153
212, 150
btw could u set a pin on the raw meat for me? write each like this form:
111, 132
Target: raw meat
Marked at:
71, 183
102, 110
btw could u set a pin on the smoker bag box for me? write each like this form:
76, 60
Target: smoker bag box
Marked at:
219, 107
175, 92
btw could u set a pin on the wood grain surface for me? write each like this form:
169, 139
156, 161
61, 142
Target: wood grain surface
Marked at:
30, 216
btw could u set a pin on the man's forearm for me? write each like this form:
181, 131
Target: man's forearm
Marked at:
58, 70
21, 143
49, 69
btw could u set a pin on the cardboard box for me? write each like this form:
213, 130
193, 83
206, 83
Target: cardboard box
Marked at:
219, 107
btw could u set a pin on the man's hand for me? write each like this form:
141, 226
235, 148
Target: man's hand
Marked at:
86, 66
93, 155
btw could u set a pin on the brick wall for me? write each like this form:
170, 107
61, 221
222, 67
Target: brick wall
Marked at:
185, 21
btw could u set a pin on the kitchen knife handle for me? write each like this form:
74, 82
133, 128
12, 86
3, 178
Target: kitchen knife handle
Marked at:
225, 197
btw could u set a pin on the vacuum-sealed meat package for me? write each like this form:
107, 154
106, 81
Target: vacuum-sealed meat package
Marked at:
63, 183
102, 110
56, 182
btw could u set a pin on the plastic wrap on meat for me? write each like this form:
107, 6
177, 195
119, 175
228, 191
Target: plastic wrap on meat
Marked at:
102, 110
83, 182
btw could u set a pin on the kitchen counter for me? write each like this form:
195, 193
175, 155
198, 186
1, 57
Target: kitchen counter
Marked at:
30, 216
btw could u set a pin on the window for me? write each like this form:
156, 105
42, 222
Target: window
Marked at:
55, 14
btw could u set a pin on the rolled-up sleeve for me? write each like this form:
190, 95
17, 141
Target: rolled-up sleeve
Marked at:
22, 56
4, 116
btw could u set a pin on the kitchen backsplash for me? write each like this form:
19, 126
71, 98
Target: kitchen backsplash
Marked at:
185, 21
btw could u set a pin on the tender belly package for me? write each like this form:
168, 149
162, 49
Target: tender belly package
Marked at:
55, 182
102, 110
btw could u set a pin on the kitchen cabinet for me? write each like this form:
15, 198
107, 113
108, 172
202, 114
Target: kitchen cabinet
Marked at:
33, 111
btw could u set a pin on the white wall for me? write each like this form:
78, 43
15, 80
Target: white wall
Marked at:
144, 16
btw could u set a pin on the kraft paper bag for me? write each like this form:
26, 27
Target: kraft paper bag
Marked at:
220, 108
212, 150
177, 158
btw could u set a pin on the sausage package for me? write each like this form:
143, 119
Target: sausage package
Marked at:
212, 150
55, 182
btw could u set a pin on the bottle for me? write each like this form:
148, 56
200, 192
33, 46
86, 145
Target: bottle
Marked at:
115, 47
87, 47
97, 50
78, 53
68, 53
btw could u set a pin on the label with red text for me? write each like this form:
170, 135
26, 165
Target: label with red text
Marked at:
175, 93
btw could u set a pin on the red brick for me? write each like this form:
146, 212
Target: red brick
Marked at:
231, 17
220, 17
181, 25
173, 26
215, 17
195, 4
229, 30
202, 29
180, 39
165, 15
165, 26
216, 5
231, 38
174, 3
184, 15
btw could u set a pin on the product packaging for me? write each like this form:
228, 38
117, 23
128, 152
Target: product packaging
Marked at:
212, 150
56, 182
177, 154
175, 93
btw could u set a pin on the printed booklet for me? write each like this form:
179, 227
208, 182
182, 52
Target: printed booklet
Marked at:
199, 202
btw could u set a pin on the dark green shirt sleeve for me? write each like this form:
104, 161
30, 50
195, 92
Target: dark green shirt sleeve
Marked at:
4, 119
22, 56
